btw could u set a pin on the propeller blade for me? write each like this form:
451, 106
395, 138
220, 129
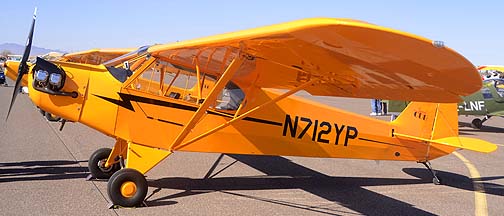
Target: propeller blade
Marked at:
23, 67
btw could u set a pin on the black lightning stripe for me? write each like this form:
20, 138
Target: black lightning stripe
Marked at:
127, 98
123, 103
386, 143
247, 118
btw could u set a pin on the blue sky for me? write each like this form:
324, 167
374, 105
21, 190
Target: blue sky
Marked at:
473, 28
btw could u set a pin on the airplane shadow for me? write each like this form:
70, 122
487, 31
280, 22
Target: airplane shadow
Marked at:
485, 128
41, 170
459, 181
284, 174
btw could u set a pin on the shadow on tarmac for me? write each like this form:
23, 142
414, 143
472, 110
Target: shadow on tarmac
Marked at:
281, 173
41, 170
459, 181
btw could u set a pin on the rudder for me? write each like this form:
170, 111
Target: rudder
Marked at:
436, 123
428, 120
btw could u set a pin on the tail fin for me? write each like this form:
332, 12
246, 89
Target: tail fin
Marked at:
436, 123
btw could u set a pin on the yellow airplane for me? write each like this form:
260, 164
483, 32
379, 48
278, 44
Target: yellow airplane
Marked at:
233, 93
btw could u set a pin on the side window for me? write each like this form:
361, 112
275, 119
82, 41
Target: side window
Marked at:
231, 97
165, 79
485, 91
150, 81
499, 87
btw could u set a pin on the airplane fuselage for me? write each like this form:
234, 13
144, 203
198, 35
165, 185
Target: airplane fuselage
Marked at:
293, 126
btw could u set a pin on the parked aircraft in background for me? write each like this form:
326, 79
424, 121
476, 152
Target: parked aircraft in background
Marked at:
487, 102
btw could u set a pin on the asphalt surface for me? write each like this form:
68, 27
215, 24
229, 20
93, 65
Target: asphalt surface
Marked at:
43, 170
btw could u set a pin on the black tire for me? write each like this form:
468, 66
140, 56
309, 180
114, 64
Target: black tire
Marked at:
96, 161
123, 176
52, 118
477, 123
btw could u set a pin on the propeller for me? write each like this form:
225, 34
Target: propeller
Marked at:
23, 67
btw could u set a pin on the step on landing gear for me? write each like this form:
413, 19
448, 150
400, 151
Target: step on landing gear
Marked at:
435, 179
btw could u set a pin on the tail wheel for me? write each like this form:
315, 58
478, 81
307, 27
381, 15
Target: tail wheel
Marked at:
96, 164
477, 123
127, 188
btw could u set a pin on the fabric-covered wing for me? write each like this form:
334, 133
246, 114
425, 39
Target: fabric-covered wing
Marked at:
351, 58
94, 56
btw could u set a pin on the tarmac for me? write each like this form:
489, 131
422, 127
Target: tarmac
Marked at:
43, 171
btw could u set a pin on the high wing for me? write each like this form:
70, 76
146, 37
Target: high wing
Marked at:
351, 58
94, 56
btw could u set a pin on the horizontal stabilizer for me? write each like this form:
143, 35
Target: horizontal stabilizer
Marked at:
458, 142
472, 144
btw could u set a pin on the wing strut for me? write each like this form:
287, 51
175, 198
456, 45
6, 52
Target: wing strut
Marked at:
248, 113
221, 83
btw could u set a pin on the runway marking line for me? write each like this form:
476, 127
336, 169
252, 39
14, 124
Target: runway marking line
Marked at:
480, 202
499, 145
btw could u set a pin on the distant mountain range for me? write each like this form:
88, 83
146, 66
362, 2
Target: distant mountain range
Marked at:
18, 49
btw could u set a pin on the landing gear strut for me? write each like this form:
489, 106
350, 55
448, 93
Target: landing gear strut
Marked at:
435, 179
478, 123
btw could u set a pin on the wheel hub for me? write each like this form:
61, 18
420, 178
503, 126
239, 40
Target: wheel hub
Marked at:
101, 165
128, 189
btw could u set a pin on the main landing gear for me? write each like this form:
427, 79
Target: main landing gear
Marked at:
435, 179
96, 164
127, 187
478, 123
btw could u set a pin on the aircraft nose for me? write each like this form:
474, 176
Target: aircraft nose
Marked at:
58, 88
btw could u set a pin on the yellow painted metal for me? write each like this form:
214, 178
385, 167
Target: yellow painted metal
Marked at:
128, 189
119, 150
11, 71
161, 81
143, 158
198, 80
248, 113
139, 71
353, 58
458, 142
467, 143
97, 112
77, 78
221, 83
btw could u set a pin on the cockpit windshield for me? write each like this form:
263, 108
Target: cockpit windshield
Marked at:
124, 58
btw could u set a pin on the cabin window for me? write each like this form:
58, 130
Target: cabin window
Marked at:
176, 82
487, 94
230, 98
499, 87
